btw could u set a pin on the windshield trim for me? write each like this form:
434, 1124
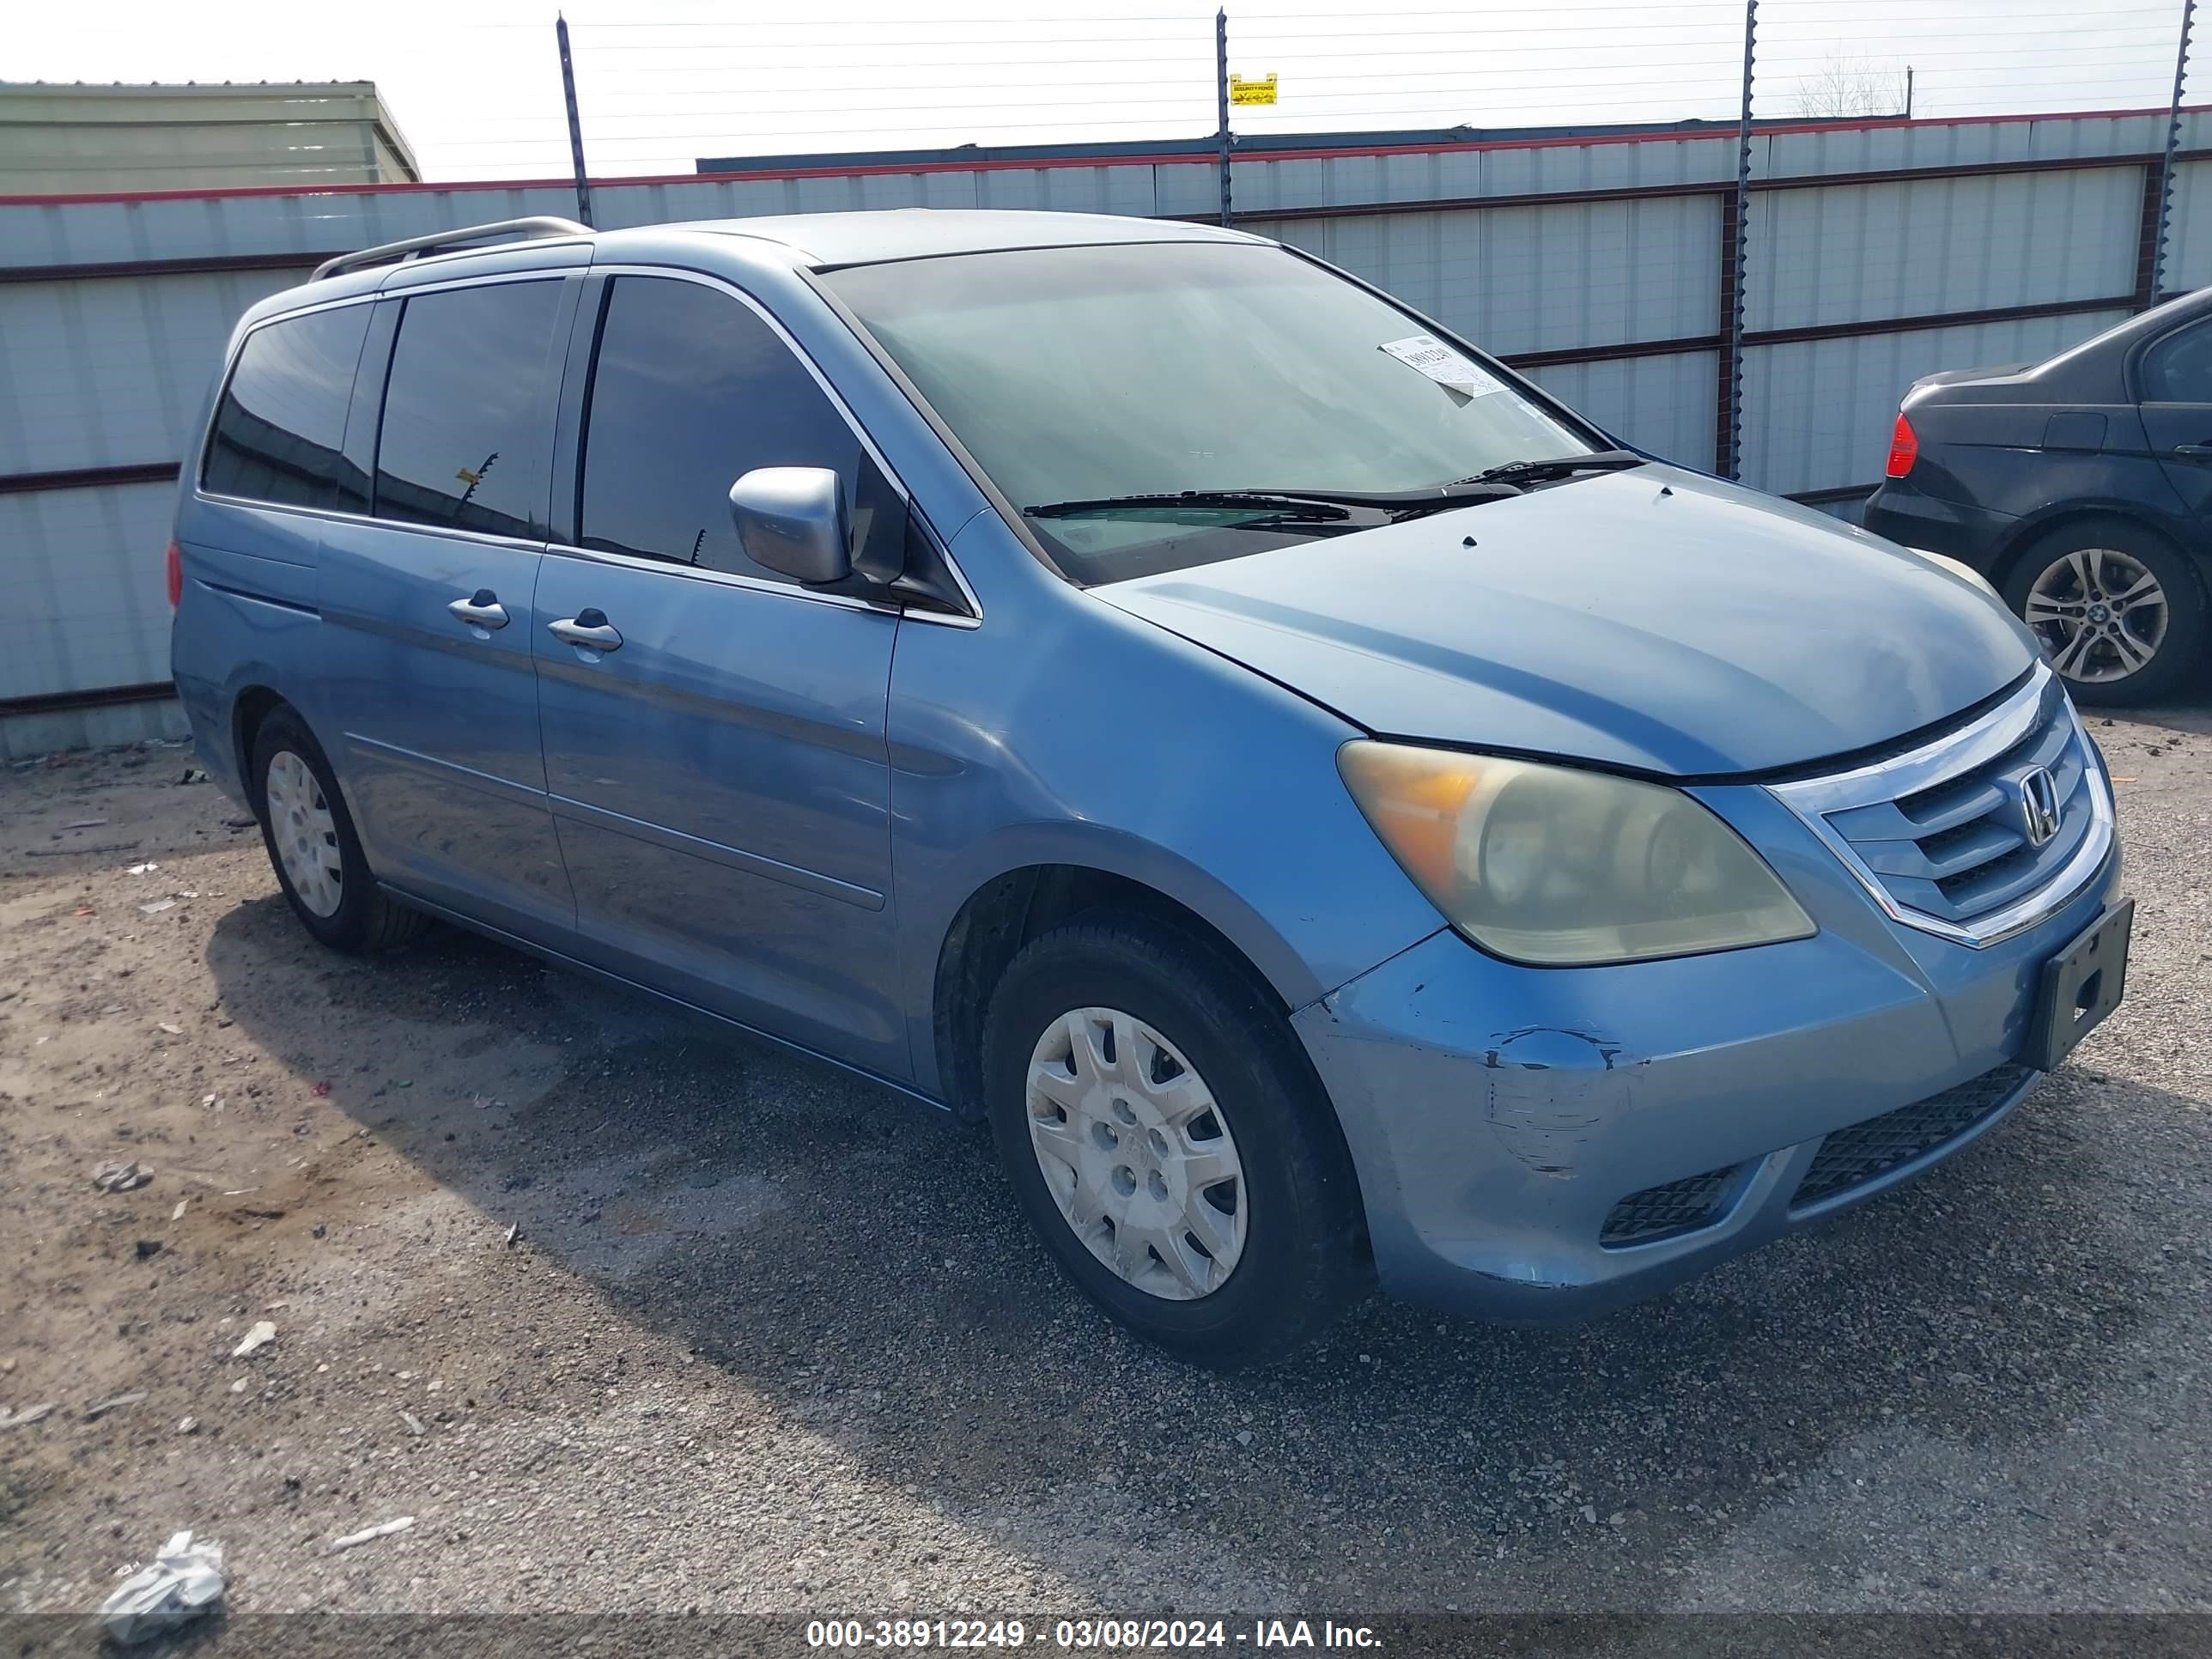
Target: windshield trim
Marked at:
1009, 511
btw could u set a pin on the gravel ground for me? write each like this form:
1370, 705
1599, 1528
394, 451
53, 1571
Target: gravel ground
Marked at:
767, 1338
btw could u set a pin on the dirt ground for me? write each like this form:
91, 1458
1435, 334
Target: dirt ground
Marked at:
627, 1313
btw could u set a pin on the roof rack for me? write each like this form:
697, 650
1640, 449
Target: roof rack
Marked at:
415, 246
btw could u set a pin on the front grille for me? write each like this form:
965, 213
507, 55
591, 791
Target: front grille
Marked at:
1680, 1207
1959, 848
1851, 1158
1943, 833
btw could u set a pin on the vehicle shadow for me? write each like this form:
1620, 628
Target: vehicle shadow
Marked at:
856, 1259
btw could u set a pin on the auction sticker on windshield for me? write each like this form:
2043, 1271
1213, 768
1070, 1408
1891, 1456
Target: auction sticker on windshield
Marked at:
1442, 365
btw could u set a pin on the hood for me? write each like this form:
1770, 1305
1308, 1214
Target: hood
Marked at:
1654, 619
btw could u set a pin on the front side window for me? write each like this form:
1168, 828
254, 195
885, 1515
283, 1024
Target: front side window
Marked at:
467, 426
692, 389
1078, 375
281, 423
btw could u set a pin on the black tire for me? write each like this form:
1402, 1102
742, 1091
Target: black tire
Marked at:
366, 919
2180, 655
1304, 1259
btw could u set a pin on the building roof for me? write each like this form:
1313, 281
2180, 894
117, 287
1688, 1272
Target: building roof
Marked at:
1247, 144
207, 131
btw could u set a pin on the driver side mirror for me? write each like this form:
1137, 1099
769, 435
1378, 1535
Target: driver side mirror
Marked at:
792, 520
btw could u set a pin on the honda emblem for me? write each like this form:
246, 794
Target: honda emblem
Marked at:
2039, 805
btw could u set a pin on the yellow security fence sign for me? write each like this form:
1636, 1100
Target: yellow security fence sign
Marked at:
1242, 91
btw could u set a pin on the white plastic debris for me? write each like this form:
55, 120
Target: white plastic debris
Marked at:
112, 1178
183, 1581
29, 1414
177, 1214
368, 1533
114, 1404
263, 1333
414, 1423
142, 870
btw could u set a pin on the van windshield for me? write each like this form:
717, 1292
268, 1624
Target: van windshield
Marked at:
1090, 383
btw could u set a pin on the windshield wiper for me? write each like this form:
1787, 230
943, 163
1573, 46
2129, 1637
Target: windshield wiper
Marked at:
1282, 506
1319, 505
1558, 467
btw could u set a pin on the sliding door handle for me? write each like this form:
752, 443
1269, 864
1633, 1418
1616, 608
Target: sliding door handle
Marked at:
484, 609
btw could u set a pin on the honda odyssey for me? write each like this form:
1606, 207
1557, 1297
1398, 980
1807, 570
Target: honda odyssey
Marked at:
1337, 815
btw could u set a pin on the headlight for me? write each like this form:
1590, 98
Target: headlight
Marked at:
1958, 568
1558, 866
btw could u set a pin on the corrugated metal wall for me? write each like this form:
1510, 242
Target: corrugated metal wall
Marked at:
1819, 412
1611, 295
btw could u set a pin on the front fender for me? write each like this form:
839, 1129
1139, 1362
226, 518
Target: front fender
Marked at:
1065, 732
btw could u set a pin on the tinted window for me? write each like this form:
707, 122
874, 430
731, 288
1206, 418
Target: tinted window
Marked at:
466, 422
2179, 369
692, 389
278, 428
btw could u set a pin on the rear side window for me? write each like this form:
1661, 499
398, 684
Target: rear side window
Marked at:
279, 428
690, 390
467, 425
2177, 369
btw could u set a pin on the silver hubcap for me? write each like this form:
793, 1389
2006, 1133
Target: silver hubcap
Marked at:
1136, 1153
2099, 612
307, 838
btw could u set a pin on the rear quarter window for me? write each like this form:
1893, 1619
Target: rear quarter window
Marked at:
2177, 369
280, 422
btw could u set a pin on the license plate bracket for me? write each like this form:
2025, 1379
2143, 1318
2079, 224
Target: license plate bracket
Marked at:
2081, 985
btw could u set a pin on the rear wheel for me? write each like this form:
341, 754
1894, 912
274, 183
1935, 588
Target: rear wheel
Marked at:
2119, 610
1169, 1142
312, 847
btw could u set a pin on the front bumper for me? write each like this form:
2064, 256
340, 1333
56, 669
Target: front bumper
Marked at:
1499, 1115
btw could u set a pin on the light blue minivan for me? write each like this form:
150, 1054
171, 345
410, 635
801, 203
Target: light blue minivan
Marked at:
1336, 814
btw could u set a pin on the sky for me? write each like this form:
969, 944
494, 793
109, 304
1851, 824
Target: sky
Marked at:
476, 90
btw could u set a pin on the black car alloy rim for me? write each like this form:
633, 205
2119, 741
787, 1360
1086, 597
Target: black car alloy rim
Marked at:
2100, 614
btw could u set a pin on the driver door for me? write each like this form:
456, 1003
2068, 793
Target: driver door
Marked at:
714, 748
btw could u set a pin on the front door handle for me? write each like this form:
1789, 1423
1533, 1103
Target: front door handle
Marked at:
589, 628
2193, 452
484, 609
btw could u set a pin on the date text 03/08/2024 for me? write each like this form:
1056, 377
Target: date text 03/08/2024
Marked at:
1110, 1635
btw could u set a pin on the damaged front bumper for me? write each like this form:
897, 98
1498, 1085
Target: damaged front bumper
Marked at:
1504, 1120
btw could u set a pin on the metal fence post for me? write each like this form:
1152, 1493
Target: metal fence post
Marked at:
2166, 161
1728, 445
1221, 93
575, 121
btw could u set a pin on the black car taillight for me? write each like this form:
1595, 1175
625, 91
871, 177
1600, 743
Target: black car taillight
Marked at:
1903, 447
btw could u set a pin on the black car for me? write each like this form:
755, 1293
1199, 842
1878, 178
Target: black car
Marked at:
2081, 487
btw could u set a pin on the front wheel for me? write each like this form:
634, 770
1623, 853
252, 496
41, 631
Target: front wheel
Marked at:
2119, 610
1169, 1142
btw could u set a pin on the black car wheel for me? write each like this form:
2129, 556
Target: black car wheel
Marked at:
2119, 610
